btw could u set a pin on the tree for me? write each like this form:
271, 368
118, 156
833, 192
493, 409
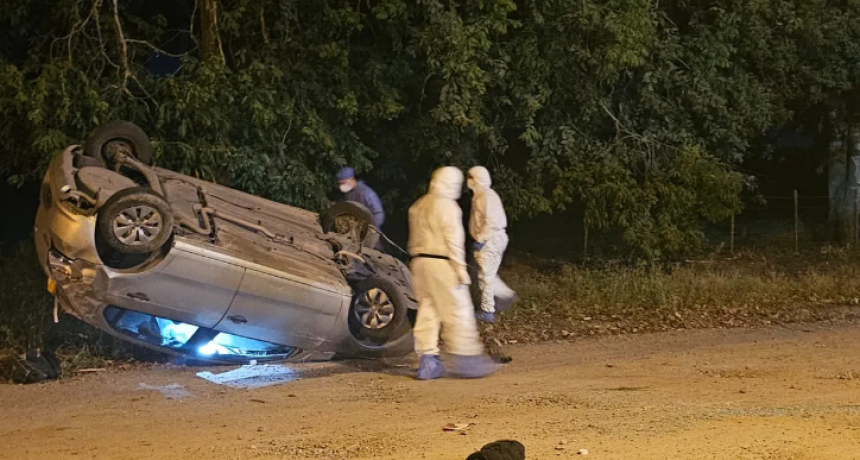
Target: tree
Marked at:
638, 111
210, 38
822, 90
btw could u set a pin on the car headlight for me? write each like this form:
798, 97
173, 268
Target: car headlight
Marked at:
59, 266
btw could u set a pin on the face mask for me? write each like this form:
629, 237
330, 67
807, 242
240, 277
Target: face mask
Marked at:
345, 188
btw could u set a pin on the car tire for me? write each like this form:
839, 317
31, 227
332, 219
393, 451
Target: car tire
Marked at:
379, 310
119, 134
349, 209
135, 221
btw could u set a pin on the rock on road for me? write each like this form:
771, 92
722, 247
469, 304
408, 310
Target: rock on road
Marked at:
771, 394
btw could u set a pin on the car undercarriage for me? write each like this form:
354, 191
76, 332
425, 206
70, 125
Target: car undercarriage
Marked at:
189, 267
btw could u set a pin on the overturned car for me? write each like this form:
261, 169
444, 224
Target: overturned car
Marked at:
192, 268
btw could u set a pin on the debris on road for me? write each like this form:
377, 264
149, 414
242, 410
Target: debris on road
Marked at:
494, 346
91, 370
456, 427
500, 450
252, 376
172, 391
33, 367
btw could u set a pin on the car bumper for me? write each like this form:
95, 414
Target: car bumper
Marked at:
60, 225
65, 242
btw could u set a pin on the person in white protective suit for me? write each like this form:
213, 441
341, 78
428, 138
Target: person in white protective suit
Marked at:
488, 228
441, 282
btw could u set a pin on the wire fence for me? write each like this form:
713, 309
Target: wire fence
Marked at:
782, 222
794, 221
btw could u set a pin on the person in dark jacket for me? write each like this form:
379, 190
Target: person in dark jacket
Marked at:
359, 191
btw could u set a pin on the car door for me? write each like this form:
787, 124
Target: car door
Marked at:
274, 307
191, 285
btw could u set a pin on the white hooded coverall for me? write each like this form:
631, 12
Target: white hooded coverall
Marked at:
439, 275
488, 224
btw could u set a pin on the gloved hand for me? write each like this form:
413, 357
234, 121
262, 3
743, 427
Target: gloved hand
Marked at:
463, 277
476, 246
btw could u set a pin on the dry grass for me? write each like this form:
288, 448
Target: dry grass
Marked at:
25, 305
562, 300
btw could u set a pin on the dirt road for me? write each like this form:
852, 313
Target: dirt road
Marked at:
774, 394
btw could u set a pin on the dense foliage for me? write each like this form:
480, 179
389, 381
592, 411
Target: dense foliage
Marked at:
639, 111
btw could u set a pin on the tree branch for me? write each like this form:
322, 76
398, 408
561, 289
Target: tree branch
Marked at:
290, 124
123, 47
96, 5
263, 27
154, 48
211, 45
76, 28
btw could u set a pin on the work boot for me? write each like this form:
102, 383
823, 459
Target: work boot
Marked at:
485, 316
472, 367
503, 303
429, 368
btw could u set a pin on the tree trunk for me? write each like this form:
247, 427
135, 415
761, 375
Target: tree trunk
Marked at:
841, 178
210, 39
211, 52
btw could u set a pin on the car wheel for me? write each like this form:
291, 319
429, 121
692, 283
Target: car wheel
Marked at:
379, 310
135, 221
347, 217
119, 136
